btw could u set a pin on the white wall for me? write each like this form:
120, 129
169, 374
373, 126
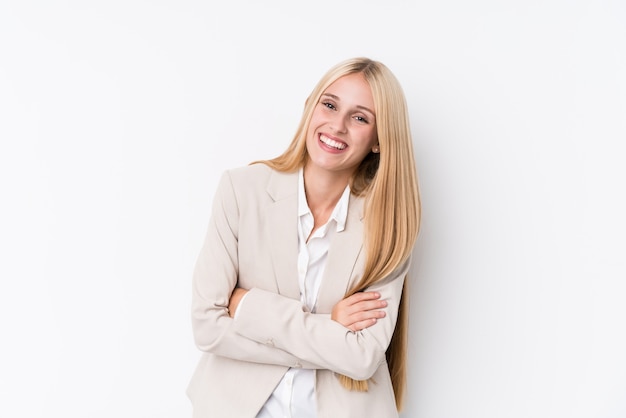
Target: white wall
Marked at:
117, 117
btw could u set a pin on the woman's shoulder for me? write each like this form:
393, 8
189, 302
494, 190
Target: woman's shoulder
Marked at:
250, 175
250, 171
260, 176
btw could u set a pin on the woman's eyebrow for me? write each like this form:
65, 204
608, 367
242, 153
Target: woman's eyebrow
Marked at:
332, 96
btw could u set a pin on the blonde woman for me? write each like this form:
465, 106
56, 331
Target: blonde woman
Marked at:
299, 303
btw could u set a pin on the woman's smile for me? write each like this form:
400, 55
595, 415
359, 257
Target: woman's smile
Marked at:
334, 144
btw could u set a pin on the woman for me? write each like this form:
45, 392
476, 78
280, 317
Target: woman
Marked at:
298, 296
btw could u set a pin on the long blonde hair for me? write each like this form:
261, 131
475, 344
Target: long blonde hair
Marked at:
388, 181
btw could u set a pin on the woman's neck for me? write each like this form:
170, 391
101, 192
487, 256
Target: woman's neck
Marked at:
323, 191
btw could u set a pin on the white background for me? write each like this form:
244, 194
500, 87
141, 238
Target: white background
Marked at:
117, 117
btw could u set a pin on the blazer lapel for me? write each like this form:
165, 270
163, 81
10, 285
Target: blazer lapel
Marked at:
283, 226
342, 257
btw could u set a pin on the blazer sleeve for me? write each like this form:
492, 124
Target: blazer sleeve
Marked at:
276, 321
215, 277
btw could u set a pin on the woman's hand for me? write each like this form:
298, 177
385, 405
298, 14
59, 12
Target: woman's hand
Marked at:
359, 311
234, 300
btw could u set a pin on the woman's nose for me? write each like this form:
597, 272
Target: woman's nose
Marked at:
339, 123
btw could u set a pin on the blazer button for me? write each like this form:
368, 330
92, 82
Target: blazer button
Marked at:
270, 342
297, 365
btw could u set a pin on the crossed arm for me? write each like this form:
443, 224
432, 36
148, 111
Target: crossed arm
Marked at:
356, 312
274, 329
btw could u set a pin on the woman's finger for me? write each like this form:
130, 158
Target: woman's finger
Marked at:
361, 325
360, 297
368, 305
362, 316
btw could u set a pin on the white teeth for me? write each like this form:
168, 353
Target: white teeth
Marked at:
332, 142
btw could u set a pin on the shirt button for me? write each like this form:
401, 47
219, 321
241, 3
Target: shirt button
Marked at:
270, 342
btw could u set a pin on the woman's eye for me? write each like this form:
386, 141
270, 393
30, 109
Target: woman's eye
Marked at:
329, 105
361, 119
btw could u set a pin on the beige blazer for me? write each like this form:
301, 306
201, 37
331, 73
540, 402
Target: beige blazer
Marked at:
252, 242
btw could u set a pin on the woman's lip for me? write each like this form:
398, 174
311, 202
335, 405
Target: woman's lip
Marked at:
334, 138
330, 138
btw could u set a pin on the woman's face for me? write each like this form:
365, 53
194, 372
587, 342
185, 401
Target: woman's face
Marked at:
343, 126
